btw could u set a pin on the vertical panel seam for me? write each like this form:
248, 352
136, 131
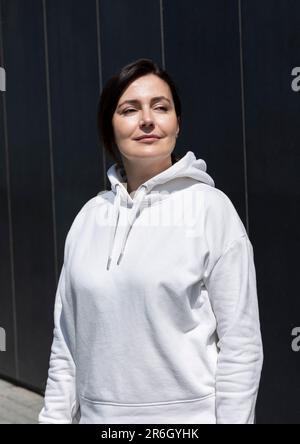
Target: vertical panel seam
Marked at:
162, 34
9, 209
49, 111
243, 113
105, 179
244, 123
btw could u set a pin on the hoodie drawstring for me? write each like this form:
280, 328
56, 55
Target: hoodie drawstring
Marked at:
115, 217
116, 209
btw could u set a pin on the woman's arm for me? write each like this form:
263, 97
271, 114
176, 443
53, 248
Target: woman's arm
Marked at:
231, 286
60, 403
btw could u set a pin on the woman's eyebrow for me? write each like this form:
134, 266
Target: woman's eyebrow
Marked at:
135, 101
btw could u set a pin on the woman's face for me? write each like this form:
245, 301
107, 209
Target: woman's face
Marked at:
148, 113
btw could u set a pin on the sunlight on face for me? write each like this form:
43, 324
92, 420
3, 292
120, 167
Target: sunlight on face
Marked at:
151, 111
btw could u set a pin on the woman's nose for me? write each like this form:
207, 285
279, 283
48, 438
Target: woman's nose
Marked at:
146, 117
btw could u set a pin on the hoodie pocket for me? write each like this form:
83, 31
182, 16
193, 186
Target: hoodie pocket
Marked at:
191, 411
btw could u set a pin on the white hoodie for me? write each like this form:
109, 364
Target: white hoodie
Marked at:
171, 332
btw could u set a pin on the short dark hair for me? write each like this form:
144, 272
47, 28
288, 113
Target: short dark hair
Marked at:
112, 92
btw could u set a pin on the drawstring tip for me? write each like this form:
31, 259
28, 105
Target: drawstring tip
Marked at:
108, 263
120, 257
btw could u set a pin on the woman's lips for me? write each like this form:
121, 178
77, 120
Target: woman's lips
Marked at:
148, 139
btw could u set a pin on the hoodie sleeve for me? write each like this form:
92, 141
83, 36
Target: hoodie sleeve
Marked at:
60, 395
231, 287
61, 404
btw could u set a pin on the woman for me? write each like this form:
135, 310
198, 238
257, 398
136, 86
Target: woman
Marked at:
156, 311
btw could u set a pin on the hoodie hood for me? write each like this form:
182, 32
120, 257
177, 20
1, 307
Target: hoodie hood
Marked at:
148, 192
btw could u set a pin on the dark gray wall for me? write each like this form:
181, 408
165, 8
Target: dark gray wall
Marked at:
232, 62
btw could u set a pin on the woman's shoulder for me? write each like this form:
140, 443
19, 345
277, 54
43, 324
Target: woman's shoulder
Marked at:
92, 203
221, 217
86, 210
214, 197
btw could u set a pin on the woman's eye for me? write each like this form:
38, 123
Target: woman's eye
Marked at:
132, 109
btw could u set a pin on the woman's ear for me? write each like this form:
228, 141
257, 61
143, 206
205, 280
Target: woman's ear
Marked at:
179, 125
